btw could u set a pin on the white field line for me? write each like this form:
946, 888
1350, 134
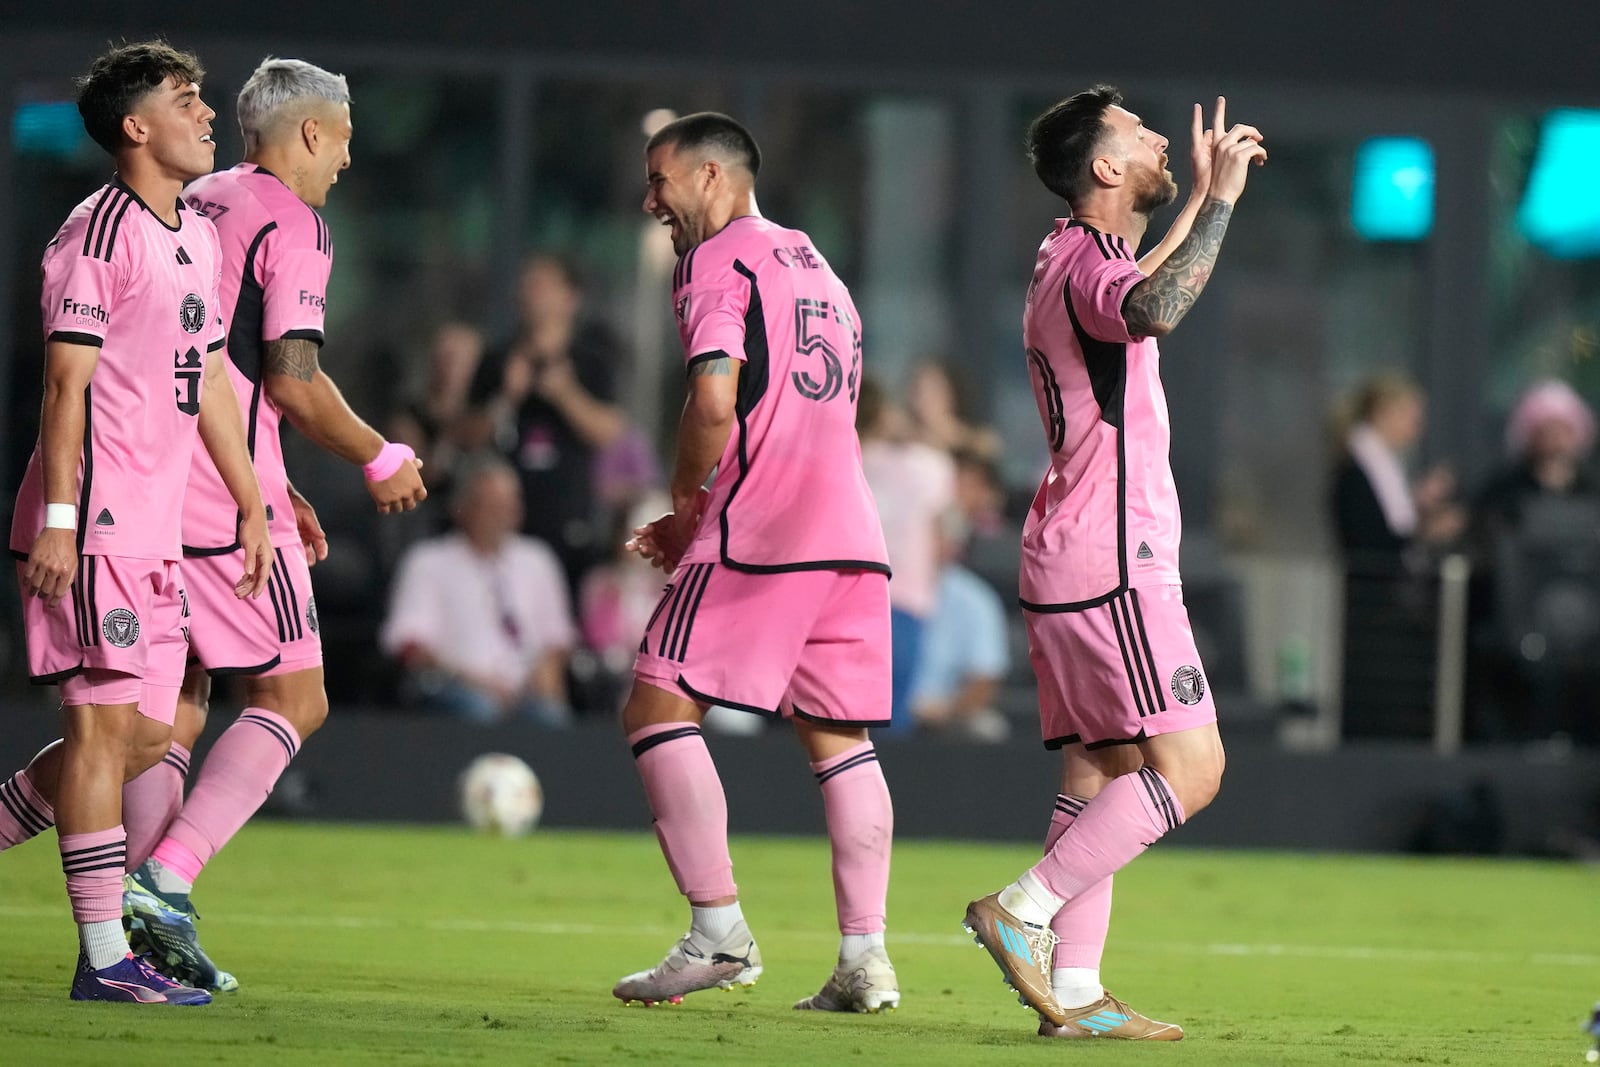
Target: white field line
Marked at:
545, 929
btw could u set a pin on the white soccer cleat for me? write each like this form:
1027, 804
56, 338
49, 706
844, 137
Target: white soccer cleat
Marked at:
693, 965
864, 984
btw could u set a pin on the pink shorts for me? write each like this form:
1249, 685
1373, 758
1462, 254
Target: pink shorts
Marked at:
811, 644
276, 633
123, 623
1118, 672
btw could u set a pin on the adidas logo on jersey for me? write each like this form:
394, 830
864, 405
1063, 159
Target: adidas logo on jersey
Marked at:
104, 518
183, 257
1144, 551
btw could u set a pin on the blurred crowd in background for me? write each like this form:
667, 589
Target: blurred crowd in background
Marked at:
1350, 409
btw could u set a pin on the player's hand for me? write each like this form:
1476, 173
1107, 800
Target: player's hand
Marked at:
1232, 154
664, 541
312, 538
256, 546
401, 491
52, 564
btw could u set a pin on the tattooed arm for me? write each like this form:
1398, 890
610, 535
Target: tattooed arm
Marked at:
315, 407
1160, 302
313, 404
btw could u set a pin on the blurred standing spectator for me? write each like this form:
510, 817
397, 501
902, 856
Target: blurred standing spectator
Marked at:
993, 548
546, 401
912, 483
1386, 528
935, 404
965, 656
430, 419
480, 619
1535, 538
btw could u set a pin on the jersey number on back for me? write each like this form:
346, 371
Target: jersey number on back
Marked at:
810, 319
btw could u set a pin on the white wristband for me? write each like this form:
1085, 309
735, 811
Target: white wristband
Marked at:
61, 516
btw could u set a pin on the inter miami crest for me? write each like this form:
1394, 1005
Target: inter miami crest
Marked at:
121, 627
311, 614
192, 314
1188, 685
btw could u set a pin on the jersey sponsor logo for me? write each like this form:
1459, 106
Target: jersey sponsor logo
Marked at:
1188, 684
85, 313
104, 518
186, 372
192, 314
1144, 551
316, 300
311, 615
121, 627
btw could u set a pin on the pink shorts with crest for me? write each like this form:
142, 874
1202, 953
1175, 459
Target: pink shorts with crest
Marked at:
809, 644
122, 625
275, 633
1120, 671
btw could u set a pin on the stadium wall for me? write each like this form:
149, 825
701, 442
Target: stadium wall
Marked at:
370, 766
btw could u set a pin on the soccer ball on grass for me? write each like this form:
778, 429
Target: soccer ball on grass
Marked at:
500, 794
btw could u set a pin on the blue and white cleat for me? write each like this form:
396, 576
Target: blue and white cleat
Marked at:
131, 980
161, 926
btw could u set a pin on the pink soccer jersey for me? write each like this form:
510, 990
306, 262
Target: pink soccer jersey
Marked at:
277, 254
1106, 517
789, 493
117, 277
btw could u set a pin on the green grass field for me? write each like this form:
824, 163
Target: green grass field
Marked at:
359, 945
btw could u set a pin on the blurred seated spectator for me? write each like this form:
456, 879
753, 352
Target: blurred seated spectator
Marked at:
936, 403
546, 401
615, 603
429, 420
480, 619
993, 548
965, 655
625, 470
913, 484
1388, 530
1536, 595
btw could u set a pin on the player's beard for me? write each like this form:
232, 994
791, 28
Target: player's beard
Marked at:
1152, 188
688, 231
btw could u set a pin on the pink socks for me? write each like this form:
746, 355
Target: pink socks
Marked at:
151, 801
1129, 815
691, 811
1083, 922
94, 864
861, 830
24, 813
235, 780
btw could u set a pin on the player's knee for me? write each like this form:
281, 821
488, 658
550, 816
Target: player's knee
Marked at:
307, 713
144, 753
1202, 780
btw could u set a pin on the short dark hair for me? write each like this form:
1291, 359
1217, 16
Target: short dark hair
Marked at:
714, 131
1063, 139
120, 77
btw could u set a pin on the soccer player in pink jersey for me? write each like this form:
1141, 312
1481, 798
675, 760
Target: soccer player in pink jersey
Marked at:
779, 599
131, 275
278, 254
1122, 693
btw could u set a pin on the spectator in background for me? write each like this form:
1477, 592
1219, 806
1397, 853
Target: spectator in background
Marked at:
1387, 529
993, 548
430, 420
964, 652
546, 401
1536, 576
1378, 512
912, 483
480, 619
934, 402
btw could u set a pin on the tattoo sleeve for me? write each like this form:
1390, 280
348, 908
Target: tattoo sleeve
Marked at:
1160, 302
292, 357
707, 366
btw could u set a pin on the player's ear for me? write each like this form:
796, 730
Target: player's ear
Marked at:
134, 129
310, 133
713, 172
1106, 170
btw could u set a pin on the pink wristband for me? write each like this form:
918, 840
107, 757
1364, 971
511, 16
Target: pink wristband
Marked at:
389, 459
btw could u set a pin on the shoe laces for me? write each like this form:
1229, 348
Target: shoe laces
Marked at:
150, 974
